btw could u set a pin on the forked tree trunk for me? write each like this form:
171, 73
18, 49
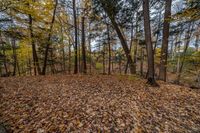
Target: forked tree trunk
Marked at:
131, 43
124, 45
121, 37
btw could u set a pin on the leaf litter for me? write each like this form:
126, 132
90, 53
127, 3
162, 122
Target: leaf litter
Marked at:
96, 103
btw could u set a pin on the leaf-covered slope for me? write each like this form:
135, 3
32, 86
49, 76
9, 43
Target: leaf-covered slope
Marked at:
96, 103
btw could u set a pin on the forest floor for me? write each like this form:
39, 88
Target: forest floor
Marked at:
89, 103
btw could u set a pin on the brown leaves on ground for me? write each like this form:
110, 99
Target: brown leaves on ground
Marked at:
96, 104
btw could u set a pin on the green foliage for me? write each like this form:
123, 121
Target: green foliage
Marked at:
191, 12
99, 66
157, 55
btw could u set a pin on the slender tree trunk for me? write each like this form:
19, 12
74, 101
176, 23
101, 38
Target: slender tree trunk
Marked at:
135, 55
104, 68
4, 59
186, 45
131, 43
164, 50
34, 53
53, 70
172, 46
197, 43
135, 46
76, 39
120, 68
14, 57
109, 50
150, 53
69, 64
177, 46
49, 39
63, 51
90, 49
112, 63
80, 70
18, 68
157, 34
83, 47
121, 38
30, 68
124, 45
141, 61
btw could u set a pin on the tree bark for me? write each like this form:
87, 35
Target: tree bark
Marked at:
69, 57
5, 60
14, 57
164, 49
83, 47
90, 49
109, 50
141, 61
76, 39
135, 55
36, 64
49, 39
186, 45
150, 53
124, 45
121, 37
131, 43
104, 66
197, 43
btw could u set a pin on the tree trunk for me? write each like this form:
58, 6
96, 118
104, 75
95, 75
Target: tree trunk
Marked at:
83, 47
197, 43
109, 50
79, 46
69, 63
164, 49
157, 34
14, 57
76, 39
131, 43
90, 49
18, 68
135, 55
104, 66
63, 51
186, 45
124, 45
5, 60
121, 38
49, 39
141, 61
34, 53
150, 53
